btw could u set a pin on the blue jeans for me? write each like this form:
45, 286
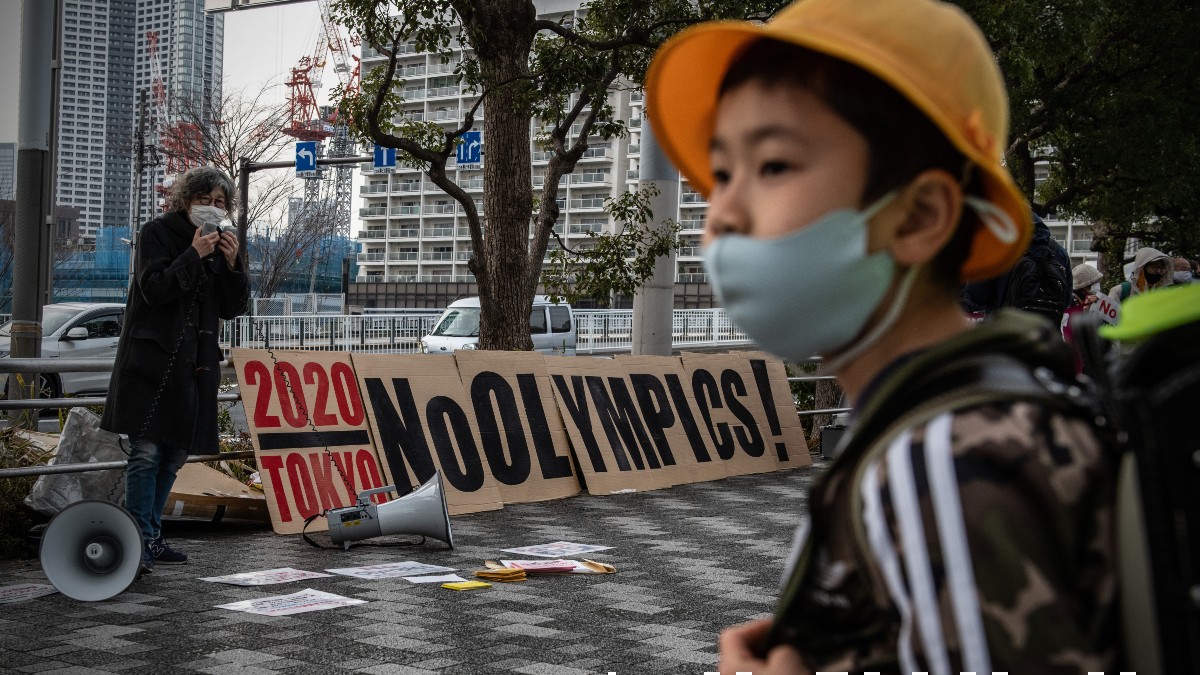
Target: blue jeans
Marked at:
149, 476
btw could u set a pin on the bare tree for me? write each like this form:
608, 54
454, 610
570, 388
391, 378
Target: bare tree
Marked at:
277, 250
222, 132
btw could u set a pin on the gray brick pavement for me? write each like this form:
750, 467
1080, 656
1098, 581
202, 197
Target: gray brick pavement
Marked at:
691, 559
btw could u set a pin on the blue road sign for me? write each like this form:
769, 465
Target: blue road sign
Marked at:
470, 150
384, 157
306, 158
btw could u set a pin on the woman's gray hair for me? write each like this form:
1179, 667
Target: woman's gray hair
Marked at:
198, 182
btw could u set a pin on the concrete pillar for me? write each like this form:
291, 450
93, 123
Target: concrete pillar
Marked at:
654, 303
34, 195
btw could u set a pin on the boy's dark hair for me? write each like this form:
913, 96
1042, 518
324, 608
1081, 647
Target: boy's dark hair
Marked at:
902, 142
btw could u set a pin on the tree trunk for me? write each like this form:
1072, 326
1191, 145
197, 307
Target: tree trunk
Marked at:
1110, 259
503, 38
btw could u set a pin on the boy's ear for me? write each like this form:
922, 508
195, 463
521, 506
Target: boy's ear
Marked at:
933, 204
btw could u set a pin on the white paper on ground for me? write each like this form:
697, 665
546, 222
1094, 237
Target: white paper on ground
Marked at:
407, 568
558, 549
281, 575
443, 578
307, 600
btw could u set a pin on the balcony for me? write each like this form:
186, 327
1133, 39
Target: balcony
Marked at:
691, 277
596, 177
406, 210
586, 228
465, 279
635, 97
540, 156
635, 123
402, 256
437, 92
437, 255
436, 209
437, 115
634, 149
378, 188
372, 233
596, 153
406, 72
691, 224
400, 278
414, 93
437, 232
370, 257
473, 184
463, 256
633, 174
588, 203
372, 212
688, 251
408, 186
367, 278
692, 198
404, 233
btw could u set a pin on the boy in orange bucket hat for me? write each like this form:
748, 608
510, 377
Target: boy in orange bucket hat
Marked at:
851, 153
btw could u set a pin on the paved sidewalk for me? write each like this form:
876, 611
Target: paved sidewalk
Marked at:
691, 559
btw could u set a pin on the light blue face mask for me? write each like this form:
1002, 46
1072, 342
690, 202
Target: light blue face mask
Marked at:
810, 292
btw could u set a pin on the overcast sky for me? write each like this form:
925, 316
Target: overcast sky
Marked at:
261, 46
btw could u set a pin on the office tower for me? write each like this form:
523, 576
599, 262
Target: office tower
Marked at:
95, 115
179, 53
106, 60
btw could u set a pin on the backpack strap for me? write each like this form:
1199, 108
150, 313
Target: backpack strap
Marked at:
1126, 289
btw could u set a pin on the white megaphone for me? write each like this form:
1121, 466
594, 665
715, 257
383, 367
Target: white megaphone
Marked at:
422, 511
91, 550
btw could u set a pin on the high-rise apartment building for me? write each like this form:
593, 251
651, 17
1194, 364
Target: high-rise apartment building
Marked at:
181, 47
95, 118
411, 231
105, 62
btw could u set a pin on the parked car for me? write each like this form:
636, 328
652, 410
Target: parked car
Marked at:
73, 330
551, 325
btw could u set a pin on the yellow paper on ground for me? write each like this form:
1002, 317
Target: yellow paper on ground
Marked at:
466, 585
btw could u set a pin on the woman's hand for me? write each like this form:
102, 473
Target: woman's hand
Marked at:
205, 244
228, 244
738, 647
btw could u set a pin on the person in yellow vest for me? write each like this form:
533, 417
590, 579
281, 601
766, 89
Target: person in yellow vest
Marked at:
851, 154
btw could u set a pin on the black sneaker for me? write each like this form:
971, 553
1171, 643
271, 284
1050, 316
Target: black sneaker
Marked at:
164, 554
147, 561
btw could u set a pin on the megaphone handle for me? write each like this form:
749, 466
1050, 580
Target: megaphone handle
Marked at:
365, 495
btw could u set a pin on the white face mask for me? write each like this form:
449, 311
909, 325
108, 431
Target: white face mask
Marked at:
203, 216
1183, 277
810, 292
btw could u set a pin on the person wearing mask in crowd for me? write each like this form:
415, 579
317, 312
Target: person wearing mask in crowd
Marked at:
851, 154
163, 392
1183, 271
1151, 270
1085, 281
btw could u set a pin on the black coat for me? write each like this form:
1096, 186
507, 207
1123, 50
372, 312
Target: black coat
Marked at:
172, 323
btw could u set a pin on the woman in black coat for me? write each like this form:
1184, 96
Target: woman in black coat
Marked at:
164, 384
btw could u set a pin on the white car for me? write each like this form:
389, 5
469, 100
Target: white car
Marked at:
74, 330
551, 326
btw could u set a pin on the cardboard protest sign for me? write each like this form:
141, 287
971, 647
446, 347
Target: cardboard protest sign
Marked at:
613, 449
309, 428
732, 413
423, 421
786, 434
522, 435
668, 407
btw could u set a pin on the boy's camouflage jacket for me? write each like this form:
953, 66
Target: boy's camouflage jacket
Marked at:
967, 524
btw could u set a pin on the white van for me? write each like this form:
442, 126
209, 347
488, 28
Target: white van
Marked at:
551, 325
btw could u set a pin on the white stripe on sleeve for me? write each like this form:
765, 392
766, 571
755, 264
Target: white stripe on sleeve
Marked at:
943, 483
880, 538
907, 506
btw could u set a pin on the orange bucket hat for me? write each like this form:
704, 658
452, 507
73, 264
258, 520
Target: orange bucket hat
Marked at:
929, 51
